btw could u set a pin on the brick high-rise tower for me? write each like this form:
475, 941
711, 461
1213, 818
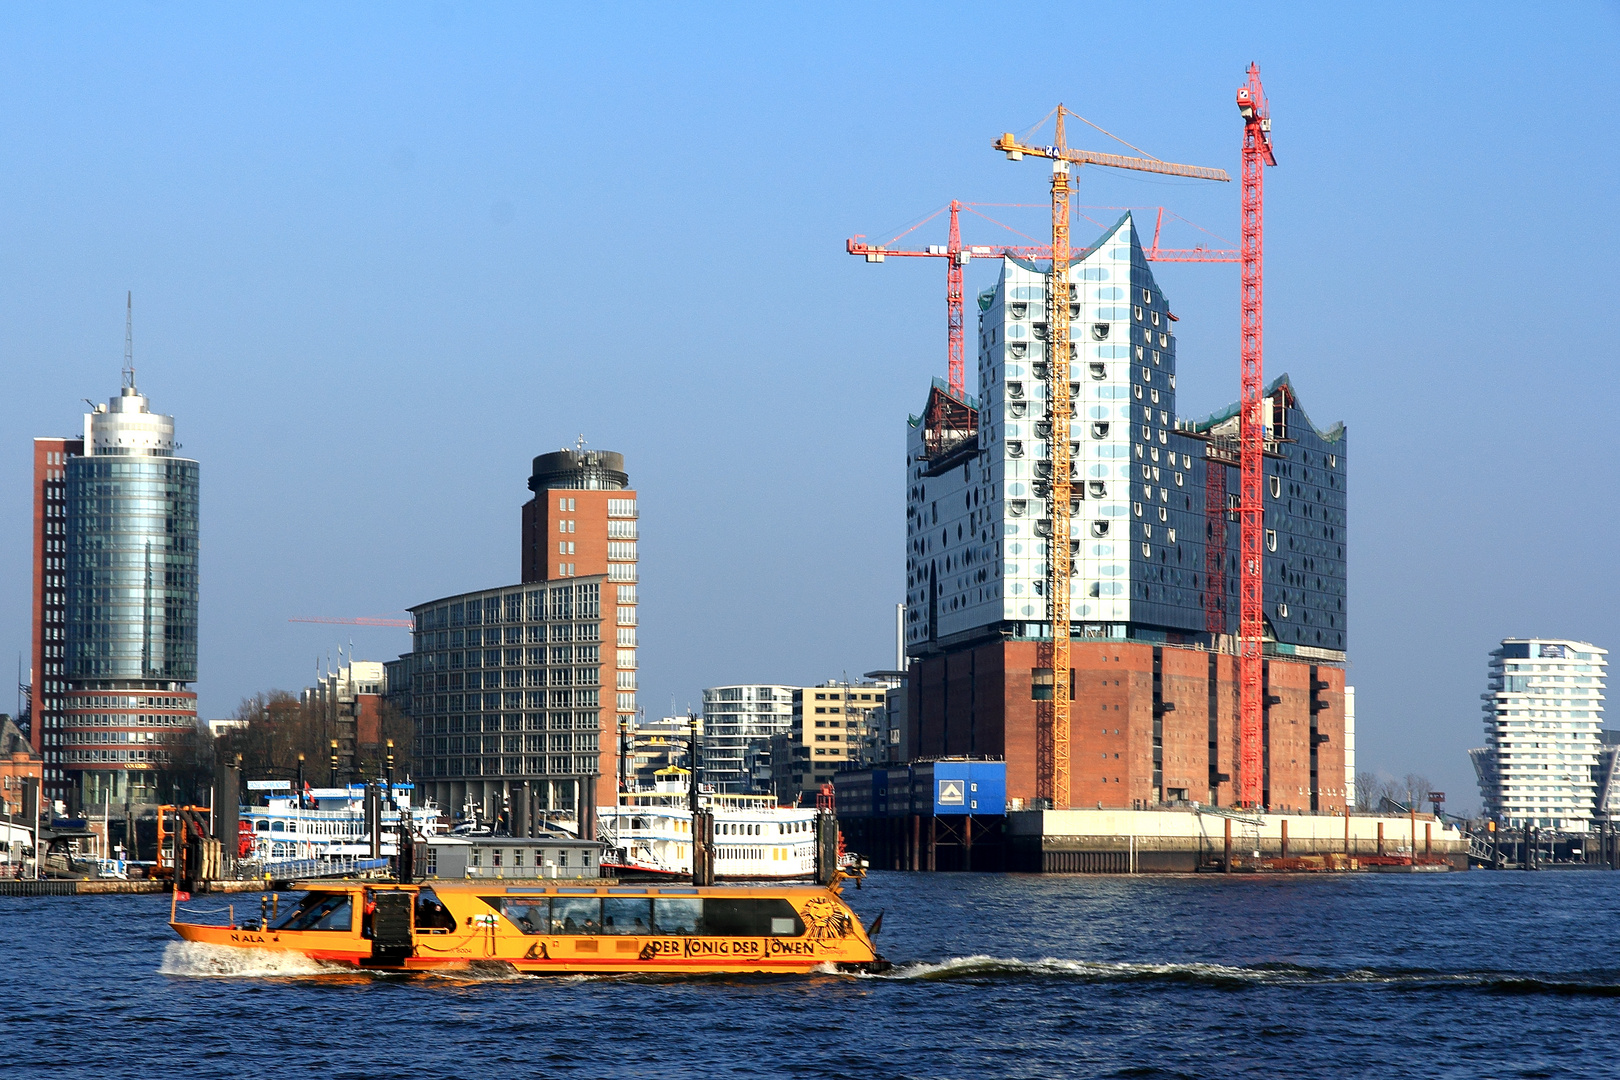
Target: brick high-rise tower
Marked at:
582, 522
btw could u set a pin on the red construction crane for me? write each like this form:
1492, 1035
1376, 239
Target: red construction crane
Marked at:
957, 256
1251, 102
361, 620
1193, 254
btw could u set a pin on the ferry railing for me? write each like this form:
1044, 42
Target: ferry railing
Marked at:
301, 869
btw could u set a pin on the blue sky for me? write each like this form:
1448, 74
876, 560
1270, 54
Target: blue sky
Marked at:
382, 256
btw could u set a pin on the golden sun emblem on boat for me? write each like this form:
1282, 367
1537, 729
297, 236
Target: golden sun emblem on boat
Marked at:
824, 919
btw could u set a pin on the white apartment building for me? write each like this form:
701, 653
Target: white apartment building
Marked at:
1545, 761
738, 722
355, 677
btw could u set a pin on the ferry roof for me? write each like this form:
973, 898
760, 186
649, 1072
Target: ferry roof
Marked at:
561, 887
451, 840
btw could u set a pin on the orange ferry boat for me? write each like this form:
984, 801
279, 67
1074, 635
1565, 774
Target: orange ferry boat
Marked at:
561, 928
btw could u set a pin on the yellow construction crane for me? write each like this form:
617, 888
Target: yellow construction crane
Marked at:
1052, 726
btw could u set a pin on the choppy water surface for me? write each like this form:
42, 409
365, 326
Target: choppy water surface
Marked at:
1460, 975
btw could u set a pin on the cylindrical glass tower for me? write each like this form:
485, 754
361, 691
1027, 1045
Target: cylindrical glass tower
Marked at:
132, 600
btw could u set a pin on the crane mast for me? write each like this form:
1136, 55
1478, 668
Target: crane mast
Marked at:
1052, 718
1054, 735
1252, 440
957, 368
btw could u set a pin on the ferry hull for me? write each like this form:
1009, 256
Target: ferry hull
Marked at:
829, 936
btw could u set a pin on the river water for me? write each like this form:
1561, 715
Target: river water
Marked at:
1437, 975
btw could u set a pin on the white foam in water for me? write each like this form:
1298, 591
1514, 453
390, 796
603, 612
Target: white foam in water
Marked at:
980, 965
200, 960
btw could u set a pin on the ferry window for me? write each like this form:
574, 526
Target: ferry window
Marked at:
528, 914
309, 901
431, 913
671, 916
319, 911
751, 918
576, 915
626, 915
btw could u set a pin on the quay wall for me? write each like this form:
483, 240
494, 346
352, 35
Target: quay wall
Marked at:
1180, 841
67, 887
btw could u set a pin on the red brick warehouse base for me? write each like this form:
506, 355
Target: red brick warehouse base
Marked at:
979, 701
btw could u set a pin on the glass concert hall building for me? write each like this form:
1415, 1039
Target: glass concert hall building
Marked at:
1154, 593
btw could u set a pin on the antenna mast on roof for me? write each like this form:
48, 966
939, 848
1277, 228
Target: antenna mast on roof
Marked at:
129, 341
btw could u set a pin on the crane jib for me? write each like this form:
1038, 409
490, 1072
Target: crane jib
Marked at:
1120, 161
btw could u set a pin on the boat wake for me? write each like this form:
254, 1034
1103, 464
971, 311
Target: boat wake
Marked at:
192, 959
979, 968
990, 968
199, 960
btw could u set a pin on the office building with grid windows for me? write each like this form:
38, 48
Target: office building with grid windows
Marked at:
827, 733
47, 685
506, 687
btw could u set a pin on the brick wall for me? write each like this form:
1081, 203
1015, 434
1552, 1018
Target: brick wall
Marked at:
977, 702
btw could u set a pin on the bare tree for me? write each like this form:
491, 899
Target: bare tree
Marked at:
1415, 789
187, 771
277, 729
1366, 791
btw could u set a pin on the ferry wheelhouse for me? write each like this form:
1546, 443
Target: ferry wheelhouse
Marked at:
560, 928
649, 834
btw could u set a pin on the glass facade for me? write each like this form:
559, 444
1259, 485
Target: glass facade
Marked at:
132, 569
977, 516
131, 601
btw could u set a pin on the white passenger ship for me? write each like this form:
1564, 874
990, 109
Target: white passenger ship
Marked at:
330, 825
649, 834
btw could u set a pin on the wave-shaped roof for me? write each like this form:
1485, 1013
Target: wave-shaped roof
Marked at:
1215, 419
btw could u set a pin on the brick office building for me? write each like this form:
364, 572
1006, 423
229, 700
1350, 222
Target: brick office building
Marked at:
47, 706
523, 686
1154, 694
